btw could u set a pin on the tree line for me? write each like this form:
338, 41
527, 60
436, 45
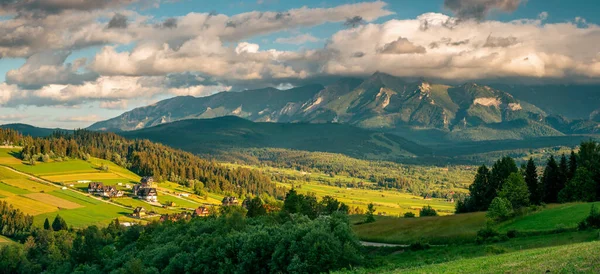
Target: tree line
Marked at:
146, 158
570, 178
288, 241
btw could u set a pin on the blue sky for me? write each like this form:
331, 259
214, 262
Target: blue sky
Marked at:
69, 67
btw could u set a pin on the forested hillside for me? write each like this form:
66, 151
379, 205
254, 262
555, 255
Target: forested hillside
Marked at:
146, 159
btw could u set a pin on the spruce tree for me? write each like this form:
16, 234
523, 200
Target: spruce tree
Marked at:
572, 164
59, 223
563, 174
46, 224
533, 183
501, 170
550, 181
478, 190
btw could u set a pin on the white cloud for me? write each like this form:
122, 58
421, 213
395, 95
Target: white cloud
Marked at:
78, 119
298, 40
13, 117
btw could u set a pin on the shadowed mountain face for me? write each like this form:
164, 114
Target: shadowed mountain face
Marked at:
421, 111
212, 136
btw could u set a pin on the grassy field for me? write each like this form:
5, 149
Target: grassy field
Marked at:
403, 260
434, 230
5, 241
576, 258
553, 217
387, 202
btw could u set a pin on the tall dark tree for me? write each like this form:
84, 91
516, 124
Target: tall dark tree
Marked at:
370, 216
478, 200
580, 188
47, 224
59, 223
501, 170
563, 177
515, 191
533, 182
550, 181
572, 164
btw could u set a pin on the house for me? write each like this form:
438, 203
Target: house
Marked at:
148, 194
128, 186
64, 187
147, 180
95, 187
201, 211
111, 192
184, 195
139, 212
229, 201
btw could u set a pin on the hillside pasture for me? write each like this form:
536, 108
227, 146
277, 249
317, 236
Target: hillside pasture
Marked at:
7, 156
575, 258
8, 190
29, 205
458, 228
29, 185
100, 214
96, 176
57, 168
53, 200
387, 202
555, 216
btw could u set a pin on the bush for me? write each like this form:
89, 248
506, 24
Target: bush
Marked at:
512, 233
427, 211
592, 220
409, 215
492, 249
419, 246
489, 235
500, 209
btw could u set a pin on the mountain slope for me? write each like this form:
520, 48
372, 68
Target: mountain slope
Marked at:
31, 130
382, 102
213, 136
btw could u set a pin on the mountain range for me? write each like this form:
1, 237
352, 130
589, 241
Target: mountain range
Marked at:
421, 111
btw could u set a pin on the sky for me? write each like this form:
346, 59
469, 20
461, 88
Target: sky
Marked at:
70, 63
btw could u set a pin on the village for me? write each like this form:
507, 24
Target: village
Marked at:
146, 191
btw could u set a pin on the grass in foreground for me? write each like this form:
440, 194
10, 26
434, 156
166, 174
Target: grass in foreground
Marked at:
576, 258
403, 260
552, 217
434, 230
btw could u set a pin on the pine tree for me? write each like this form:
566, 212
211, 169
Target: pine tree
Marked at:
564, 173
550, 181
501, 170
572, 165
533, 183
59, 223
46, 224
478, 190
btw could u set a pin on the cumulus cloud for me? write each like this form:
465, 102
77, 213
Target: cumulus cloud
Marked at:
48, 68
402, 46
525, 49
479, 9
298, 40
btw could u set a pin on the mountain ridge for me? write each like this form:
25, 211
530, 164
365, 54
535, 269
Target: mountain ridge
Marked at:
382, 102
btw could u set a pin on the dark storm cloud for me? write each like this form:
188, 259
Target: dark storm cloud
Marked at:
119, 21
479, 9
354, 22
57, 6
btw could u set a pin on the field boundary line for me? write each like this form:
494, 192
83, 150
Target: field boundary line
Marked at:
41, 180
